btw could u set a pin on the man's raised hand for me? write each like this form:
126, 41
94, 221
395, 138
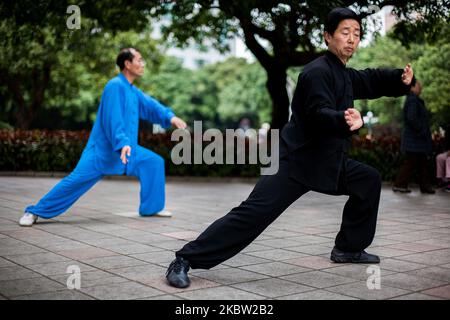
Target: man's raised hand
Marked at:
407, 74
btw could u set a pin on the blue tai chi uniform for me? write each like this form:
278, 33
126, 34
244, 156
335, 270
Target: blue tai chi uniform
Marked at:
121, 106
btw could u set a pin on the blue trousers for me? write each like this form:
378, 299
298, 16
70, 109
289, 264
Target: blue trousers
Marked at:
148, 167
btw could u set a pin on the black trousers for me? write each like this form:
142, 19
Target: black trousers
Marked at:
271, 196
414, 161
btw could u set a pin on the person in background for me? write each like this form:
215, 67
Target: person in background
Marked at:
443, 163
416, 143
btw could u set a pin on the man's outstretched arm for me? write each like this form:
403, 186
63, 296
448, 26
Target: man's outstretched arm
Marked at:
152, 110
376, 83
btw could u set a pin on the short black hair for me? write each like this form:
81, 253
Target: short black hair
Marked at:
124, 55
336, 15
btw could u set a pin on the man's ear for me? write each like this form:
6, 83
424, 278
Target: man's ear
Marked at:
127, 64
326, 36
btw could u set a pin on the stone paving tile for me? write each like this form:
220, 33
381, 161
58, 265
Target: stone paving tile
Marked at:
399, 265
54, 268
277, 254
241, 259
57, 295
255, 247
356, 271
437, 273
272, 288
278, 243
275, 269
432, 258
158, 257
219, 293
121, 291
312, 249
359, 290
159, 282
230, 275
441, 292
114, 262
410, 282
134, 248
87, 253
16, 272
91, 278
139, 273
387, 252
416, 296
36, 258
65, 245
14, 288
317, 295
312, 262
318, 279
415, 247
182, 235
19, 248
6, 263
161, 297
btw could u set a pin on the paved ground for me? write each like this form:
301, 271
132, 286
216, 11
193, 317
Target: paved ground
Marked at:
123, 256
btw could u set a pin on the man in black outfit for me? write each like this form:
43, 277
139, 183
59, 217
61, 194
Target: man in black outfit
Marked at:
313, 156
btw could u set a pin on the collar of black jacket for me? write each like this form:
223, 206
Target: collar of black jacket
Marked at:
334, 59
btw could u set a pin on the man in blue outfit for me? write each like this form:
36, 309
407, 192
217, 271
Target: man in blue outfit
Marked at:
112, 148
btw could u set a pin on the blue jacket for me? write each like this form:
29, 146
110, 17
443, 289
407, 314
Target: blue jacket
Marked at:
116, 125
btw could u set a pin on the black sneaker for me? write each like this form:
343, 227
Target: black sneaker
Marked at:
176, 274
428, 190
401, 189
339, 256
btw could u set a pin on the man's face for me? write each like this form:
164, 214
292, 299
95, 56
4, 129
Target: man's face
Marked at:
136, 66
345, 39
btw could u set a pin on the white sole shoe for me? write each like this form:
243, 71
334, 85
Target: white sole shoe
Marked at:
163, 214
28, 219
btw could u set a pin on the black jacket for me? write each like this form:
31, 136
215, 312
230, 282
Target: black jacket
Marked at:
416, 132
317, 135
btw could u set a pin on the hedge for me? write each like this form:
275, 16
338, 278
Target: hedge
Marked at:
53, 151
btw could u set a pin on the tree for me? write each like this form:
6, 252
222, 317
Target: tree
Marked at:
291, 30
33, 34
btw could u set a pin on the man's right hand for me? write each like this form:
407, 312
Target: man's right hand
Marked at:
353, 119
126, 151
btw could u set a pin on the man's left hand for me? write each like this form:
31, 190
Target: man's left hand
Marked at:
178, 123
407, 74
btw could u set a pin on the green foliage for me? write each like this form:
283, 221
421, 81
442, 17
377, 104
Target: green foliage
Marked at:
218, 94
433, 69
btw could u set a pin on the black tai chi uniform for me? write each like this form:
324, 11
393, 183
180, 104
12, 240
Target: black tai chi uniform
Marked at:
313, 156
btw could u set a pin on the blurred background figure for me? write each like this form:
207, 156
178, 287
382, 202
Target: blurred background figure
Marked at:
263, 132
443, 163
416, 143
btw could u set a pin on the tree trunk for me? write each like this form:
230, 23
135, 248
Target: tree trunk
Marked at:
26, 112
276, 85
